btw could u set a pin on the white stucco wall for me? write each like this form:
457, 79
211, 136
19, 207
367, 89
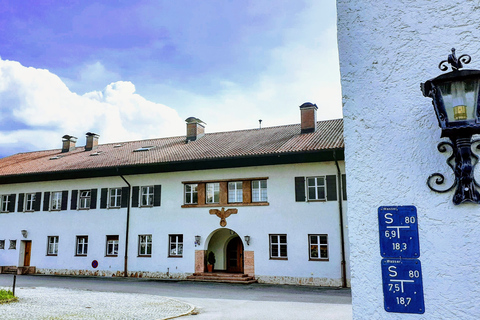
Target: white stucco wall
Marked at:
387, 48
282, 216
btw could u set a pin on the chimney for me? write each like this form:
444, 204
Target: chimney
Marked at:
195, 128
68, 143
308, 112
92, 141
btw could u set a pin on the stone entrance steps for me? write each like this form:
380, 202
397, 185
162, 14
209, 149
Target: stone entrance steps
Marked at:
222, 277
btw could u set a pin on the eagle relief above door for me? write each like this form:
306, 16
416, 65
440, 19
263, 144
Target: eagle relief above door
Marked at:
223, 214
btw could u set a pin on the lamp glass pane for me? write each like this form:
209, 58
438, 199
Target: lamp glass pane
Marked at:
460, 99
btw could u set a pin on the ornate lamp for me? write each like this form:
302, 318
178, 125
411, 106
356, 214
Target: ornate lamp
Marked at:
197, 240
247, 240
455, 99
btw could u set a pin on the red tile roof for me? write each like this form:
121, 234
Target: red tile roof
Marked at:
222, 145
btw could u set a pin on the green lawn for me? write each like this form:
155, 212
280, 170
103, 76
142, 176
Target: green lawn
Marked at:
6, 296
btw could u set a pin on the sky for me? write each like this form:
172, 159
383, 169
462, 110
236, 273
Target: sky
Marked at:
130, 70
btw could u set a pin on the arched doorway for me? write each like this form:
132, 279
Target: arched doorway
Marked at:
235, 255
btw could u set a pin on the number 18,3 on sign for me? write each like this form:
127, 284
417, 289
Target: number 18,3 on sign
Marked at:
398, 232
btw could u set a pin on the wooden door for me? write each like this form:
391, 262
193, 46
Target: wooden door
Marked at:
28, 249
235, 255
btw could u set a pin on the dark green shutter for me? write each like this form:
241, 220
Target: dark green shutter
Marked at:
331, 188
157, 194
21, 198
344, 186
11, 205
93, 199
300, 189
103, 198
65, 200
125, 196
46, 201
135, 196
74, 200
37, 204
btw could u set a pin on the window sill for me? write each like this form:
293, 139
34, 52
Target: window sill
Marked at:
175, 256
80, 255
144, 256
111, 255
237, 204
275, 258
319, 259
317, 200
51, 255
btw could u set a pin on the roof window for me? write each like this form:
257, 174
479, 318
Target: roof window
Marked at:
56, 157
147, 148
96, 153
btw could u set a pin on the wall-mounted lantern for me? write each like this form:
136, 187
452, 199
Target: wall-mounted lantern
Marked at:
455, 99
247, 240
24, 233
197, 240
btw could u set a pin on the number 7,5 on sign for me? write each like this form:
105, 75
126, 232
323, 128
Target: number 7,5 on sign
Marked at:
398, 232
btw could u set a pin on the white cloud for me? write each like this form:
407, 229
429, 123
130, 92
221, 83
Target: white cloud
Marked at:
37, 109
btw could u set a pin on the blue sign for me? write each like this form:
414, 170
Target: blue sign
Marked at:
398, 232
402, 285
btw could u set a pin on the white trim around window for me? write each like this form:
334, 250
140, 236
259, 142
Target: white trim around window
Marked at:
278, 247
52, 245
145, 245
81, 246
175, 245
318, 247
316, 188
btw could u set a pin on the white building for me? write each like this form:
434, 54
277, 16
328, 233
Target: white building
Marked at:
153, 208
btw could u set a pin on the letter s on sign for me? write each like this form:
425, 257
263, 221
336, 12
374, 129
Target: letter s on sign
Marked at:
388, 218
392, 271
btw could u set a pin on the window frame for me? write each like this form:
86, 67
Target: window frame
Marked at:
316, 188
57, 200
55, 245
2, 244
13, 245
319, 244
278, 244
147, 243
30, 202
5, 203
236, 190
112, 242
84, 201
260, 189
117, 197
83, 245
149, 196
178, 243
212, 187
193, 193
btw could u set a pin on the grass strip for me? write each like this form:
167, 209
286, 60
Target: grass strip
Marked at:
6, 296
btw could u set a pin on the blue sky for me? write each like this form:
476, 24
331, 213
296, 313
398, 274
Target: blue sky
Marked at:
136, 69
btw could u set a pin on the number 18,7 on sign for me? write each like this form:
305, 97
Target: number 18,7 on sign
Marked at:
402, 285
398, 232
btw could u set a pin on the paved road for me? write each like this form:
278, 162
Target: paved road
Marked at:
215, 300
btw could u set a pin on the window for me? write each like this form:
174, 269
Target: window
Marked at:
82, 245
213, 192
13, 245
5, 205
145, 245
85, 198
147, 196
235, 191
318, 244
316, 188
112, 246
52, 246
115, 198
56, 201
2, 244
175, 245
30, 202
278, 246
320, 188
259, 191
191, 193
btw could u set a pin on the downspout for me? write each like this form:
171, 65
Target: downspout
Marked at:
125, 268
340, 210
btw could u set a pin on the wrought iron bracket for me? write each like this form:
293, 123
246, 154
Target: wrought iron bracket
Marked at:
462, 160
